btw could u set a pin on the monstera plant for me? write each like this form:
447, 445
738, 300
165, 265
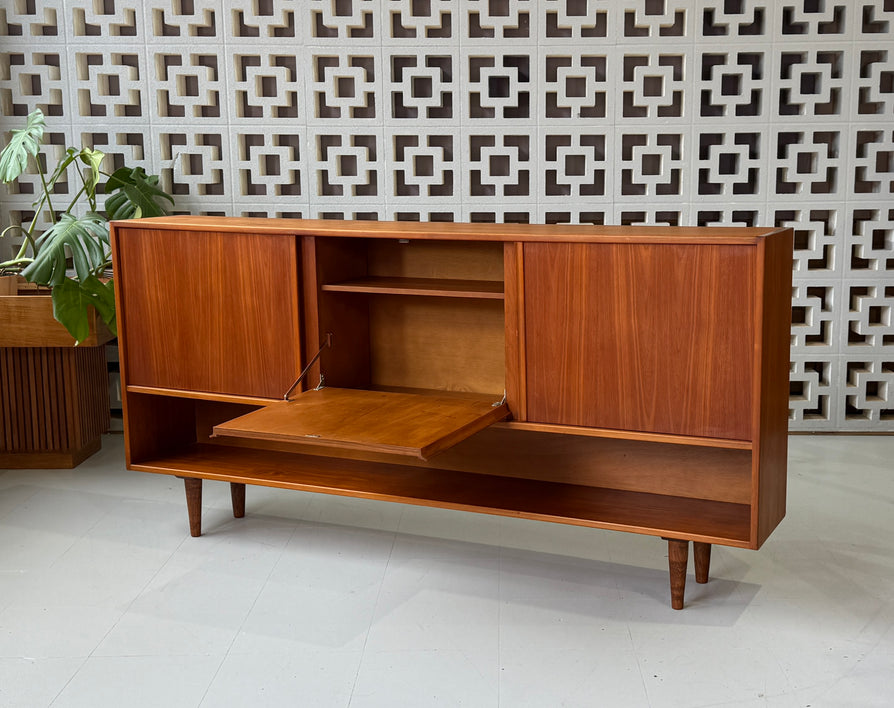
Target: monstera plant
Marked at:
73, 255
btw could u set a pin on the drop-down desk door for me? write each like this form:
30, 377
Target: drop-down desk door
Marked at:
414, 424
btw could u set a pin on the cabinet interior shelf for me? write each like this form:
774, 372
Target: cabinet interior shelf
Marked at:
597, 507
431, 287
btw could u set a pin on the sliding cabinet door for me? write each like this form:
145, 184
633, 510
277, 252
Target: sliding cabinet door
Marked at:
209, 312
640, 336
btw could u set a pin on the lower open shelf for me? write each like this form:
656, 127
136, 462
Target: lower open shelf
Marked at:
654, 514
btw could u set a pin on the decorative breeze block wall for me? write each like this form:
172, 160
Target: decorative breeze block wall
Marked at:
586, 111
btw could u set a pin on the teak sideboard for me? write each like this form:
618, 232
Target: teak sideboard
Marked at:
627, 378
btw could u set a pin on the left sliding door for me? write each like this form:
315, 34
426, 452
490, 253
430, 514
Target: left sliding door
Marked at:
208, 312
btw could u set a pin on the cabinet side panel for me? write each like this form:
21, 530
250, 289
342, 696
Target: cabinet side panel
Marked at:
772, 442
209, 311
643, 337
514, 309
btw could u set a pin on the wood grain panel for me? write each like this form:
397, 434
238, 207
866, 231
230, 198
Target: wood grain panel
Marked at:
634, 435
659, 468
655, 514
513, 313
641, 337
53, 405
441, 231
154, 425
442, 260
437, 343
346, 316
239, 333
772, 414
425, 287
401, 423
26, 319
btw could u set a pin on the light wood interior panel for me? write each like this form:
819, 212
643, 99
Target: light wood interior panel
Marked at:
436, 259
346, 317
443, 344
386, 421
656, 514
514, 309
641, 337
157, 424
637, 466
409, 341
661, 468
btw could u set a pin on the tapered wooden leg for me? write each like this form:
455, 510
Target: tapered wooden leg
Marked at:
237, 494
702, 553
678, 559
193, 487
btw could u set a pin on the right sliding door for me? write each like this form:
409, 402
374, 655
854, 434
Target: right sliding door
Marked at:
648, 337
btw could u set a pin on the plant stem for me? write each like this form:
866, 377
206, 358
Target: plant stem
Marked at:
46, 196
91, 193
23, 248
78, 196
16, 263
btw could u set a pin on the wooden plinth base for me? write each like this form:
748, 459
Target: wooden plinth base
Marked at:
56, 460
54, 405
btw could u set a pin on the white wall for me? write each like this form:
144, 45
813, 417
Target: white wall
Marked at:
709, 112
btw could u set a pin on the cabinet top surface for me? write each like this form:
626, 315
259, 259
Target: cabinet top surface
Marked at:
455, 231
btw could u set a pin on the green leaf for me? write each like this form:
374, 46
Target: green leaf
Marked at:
70, 309
133, 193
93, 159
85, 239
102, 296
24, 142
72, 302
71, 155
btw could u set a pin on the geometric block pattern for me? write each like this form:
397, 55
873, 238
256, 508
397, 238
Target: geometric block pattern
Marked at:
746, 112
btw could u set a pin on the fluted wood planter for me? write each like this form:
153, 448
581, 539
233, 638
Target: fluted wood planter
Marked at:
53, 395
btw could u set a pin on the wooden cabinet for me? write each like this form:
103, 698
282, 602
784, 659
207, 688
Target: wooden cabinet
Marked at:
623, 378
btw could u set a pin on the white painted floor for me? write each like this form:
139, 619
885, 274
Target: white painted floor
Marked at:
105, 599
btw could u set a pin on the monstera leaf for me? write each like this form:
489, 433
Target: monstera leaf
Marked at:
74, 243
85, 239
72, 302
134, 194
24, 142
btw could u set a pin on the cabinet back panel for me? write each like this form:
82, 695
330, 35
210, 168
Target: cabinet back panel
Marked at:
643, 337
659, 468
238, 334
445, 344
656, 468
436, 259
